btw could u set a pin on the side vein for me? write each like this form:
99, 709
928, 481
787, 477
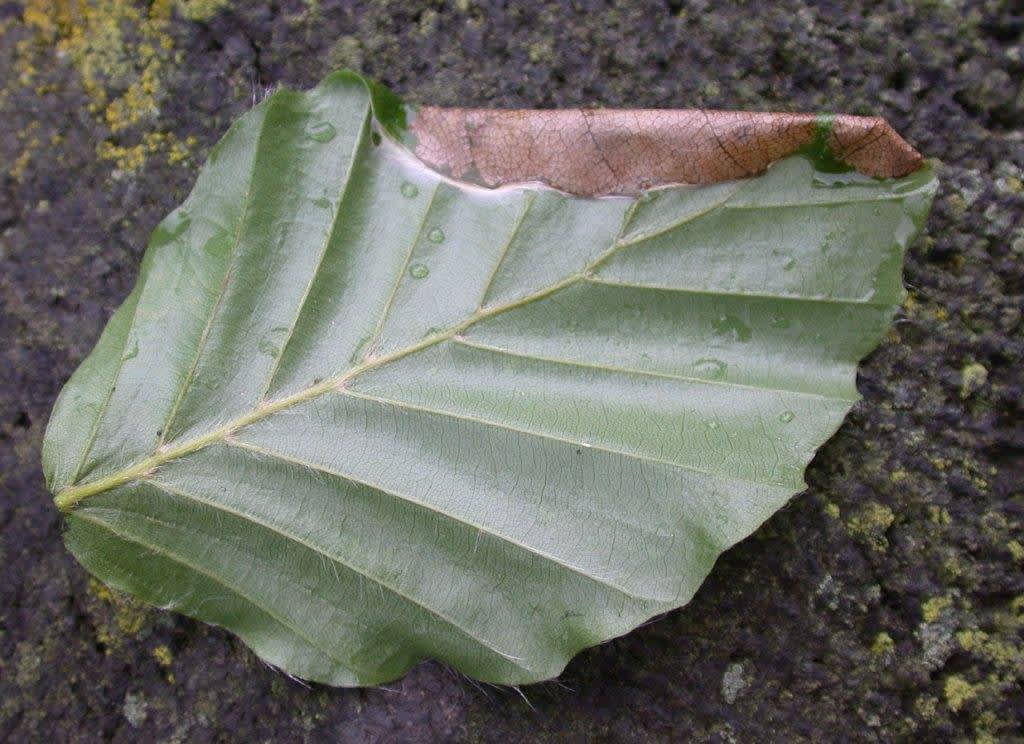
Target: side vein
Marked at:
643, 372
531, 196
186, 384
94, 431
290, 537
379, 328
280, 456
551, 437
367, 123
175, 558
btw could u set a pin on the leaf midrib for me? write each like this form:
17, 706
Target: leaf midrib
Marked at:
69, 497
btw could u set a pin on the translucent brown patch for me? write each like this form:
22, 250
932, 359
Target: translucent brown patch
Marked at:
599, 152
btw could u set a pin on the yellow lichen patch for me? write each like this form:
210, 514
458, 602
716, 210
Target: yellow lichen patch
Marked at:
163, 656
870, 524
126, 158
939, 515
883, 644
17, 169
959, 692
179, 151
30, 142
129, 614
971, 640
201, 10
972, 378
952, 568
101, 590
957, 204
45, 16
926, 706
932, 609
1002, 655
131, 617
120, 51
46, 89
130, 158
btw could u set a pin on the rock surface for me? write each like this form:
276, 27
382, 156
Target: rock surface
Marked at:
886, 603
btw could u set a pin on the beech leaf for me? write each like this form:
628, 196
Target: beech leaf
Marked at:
362, 409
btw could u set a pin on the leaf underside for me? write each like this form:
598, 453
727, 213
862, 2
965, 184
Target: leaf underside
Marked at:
362, 415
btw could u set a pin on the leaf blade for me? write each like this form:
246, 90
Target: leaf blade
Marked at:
526, 421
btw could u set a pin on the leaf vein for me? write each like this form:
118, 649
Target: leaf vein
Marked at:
531, 196
186, 383
290, 537
379, 328
323, 252
102, 412
686, 219
723, 293
430, 507
645, 373
555, 438
175, 558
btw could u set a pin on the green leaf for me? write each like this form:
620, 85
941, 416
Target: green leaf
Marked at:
362, 415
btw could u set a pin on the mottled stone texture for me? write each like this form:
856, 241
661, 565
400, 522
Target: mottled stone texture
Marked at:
887, 603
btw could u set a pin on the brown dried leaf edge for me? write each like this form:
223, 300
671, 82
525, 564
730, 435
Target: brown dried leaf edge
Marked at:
608, 151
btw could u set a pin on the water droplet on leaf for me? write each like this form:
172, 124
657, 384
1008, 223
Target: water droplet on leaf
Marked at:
321, 131
219, 245
711, 368
730, 326
268, 348
419, 271
172, 227
826, 180
357, 354
409, 190
786, 416
436, 235
791, 473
